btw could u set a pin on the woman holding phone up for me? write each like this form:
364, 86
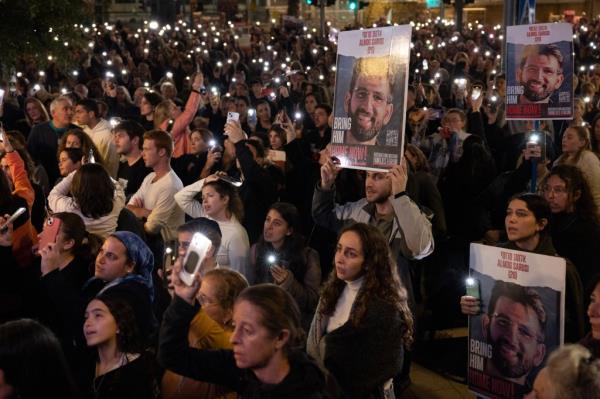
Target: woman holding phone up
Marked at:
266, 359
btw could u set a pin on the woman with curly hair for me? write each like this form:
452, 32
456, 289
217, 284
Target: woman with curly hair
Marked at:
122, 368
363, 322
77, 138
92, 194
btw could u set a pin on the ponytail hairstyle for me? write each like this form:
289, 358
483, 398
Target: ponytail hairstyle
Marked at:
235, 205
73, 228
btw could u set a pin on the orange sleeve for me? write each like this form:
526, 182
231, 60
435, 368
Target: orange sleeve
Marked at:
20, 179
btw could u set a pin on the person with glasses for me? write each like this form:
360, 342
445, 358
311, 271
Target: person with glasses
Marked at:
514, 326
369, 100
212, 326
574, 223
526, 225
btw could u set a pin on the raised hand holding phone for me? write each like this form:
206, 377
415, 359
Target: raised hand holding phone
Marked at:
6, 237
10, 219
181, 289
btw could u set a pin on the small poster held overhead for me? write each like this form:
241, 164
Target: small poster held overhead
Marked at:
521, 321
539, 71
370, 97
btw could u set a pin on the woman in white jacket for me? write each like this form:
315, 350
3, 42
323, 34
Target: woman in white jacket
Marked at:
92, 194
221, 203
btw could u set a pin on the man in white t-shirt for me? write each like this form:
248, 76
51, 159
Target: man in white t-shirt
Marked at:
153, 203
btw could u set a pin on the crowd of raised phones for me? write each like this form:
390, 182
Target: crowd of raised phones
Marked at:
319, 280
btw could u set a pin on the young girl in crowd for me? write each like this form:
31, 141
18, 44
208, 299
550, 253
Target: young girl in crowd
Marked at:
122, 369
266, 359
92, 194
221, 203
526, 223
282, 257
363, 322
211, 328
69, 160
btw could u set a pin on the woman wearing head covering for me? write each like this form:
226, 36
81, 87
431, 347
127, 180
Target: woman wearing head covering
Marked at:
124, 267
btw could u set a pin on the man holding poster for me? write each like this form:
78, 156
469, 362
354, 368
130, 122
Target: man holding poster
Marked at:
539, 71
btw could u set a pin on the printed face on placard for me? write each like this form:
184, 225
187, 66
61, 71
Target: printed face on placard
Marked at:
540, 76
369, 107
515, 333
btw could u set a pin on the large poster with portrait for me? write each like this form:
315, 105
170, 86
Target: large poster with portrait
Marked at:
370, 97
521, 319
539, 71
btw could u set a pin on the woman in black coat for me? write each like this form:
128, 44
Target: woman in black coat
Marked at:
363, 322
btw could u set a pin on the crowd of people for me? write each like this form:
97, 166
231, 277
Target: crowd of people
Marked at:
319, 279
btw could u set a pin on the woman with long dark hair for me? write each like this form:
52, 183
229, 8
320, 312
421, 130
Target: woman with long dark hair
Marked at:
121, 369
93, 195
65, 269
281, 256
363, 322
574, 223
526, 223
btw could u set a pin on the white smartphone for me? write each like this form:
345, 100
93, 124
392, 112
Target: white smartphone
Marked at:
193, 258
233, 116
12, 218
475, 93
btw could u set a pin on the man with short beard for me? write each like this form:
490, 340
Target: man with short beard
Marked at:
368, 102
388, 207
515, 328
540, 73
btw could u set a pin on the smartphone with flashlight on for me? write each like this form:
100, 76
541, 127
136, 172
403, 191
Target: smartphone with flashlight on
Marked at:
195, 255
536, 145
475, 93
473, 287
230, 180
252, 118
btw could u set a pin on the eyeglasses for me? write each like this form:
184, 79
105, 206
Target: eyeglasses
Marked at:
206, 301
558, 190
505, 324
378, 98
